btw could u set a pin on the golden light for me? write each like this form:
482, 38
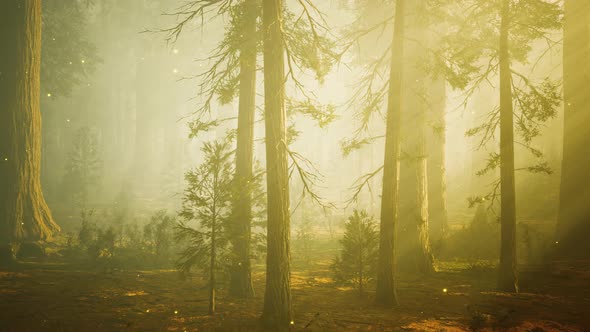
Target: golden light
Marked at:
175, 51
445, 290
176, 312
147, 310
83, 61
175, 71
49, 95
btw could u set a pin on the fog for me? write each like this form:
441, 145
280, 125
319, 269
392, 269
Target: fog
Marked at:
288, 165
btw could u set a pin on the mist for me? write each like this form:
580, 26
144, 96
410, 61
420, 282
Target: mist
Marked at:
302, 165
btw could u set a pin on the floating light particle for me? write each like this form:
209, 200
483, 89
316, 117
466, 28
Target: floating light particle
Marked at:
71, 62
147, 310
53, 39
49, 95
556, 242
292, 323
67, 120
445, 290
176, 312
175, 71
83, 61
5, 159
175, 51
22, 223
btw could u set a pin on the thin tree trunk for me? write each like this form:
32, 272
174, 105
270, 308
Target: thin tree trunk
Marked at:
212, 264
241, 276
437, 187
508, 274
277, 297
573, 227
24, 214
386, 290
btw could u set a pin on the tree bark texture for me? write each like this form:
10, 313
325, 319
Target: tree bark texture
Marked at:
277, 297
386, 287
24, 214
241, 275
414, 245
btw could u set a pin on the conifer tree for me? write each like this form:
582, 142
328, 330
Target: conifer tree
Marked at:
357, 262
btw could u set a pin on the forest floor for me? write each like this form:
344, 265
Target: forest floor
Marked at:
57, 296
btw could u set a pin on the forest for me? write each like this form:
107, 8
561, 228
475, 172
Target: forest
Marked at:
294, 165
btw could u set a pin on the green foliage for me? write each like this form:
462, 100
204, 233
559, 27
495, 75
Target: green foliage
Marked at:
358, 256
158, 234
68, 57
207, 201
322, 114
83, 167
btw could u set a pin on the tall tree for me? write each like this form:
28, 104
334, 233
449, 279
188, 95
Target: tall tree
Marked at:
277, 296
574, 210
24, 214
241, 274
413, 245
504, 31
508, 278
436, 145
386, 288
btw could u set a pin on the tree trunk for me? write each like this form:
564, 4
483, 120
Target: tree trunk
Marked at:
508, 274
277, 296
24, 214
241, 276
415, 254
213, 258
574, 211
437, 187
386, 291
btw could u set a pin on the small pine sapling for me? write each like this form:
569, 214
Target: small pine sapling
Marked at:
207, 201
358, 257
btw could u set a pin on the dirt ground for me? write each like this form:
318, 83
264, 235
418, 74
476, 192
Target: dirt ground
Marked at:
55, 296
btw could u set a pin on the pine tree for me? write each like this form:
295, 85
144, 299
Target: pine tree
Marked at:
207, 200
357, 262
503, 31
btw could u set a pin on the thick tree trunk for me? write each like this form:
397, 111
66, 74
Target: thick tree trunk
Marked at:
241, 276
24, 214
277, 296
414, 244
437, 186
508, 274
386, 290
573, 227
